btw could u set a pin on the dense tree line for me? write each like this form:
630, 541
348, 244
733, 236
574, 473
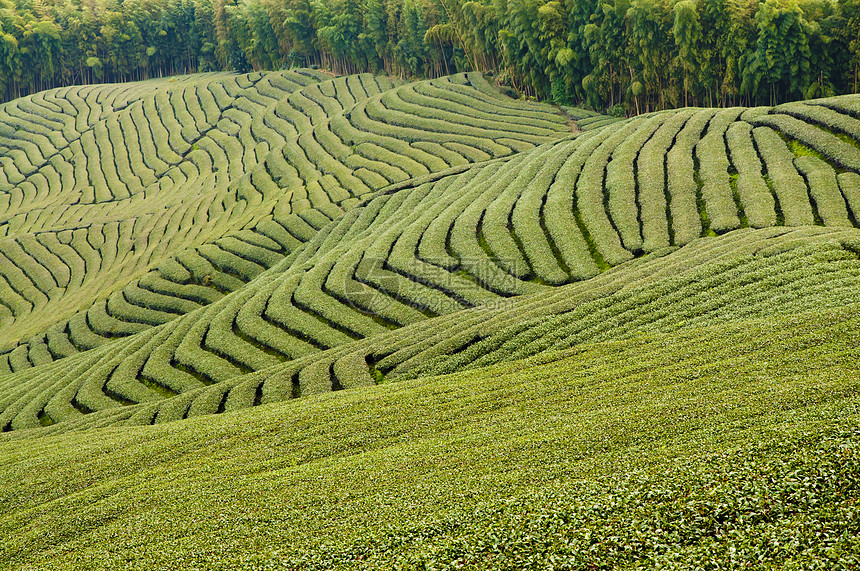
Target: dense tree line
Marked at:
625, 55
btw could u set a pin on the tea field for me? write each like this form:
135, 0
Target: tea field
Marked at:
291, 320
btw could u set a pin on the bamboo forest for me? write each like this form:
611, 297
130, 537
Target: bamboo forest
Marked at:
613, 56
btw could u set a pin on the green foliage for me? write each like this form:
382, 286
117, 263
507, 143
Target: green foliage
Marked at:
781, 62
687, 224
790, 189
756, 199
640, 449
824, 191
655, 515
849, 184
634, 56
171, 255
221, 173
590, 198
825, 142
327, 277
720, 206
621, 177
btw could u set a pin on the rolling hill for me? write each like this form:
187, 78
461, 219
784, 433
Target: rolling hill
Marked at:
684, 283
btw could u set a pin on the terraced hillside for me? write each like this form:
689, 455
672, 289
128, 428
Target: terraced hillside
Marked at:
734, 442
123, 206
560, 295
349, 231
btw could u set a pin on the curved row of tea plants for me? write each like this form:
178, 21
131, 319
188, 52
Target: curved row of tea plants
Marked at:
610, 453
134, 204
328, 274
748, 274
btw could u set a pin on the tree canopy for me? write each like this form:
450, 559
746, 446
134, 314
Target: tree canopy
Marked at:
635, 55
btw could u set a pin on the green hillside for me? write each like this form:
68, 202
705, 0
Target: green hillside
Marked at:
510, 294
667, 448
119, 202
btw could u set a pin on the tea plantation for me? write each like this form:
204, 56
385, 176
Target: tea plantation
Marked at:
290, 320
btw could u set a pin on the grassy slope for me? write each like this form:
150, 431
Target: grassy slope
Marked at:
716, 444
436, 468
